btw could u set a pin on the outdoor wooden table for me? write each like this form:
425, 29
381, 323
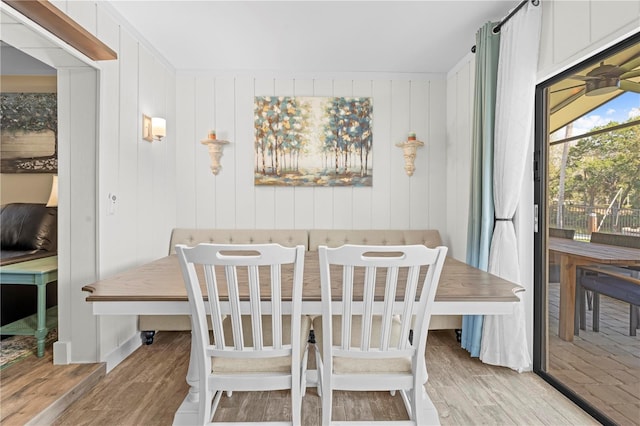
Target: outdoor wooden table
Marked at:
157, 288
574, 253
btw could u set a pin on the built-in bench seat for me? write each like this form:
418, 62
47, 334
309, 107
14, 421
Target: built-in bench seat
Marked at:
290, 238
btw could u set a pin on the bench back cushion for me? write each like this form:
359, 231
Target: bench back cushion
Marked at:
335, 237
191, 237
562, 233
616, 239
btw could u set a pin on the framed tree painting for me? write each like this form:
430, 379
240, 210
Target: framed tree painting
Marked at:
29, 135
313, 141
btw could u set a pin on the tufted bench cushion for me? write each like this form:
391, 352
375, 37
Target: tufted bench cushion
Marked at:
285, 237
336, 237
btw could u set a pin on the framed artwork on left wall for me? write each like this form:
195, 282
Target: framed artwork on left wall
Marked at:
29, 135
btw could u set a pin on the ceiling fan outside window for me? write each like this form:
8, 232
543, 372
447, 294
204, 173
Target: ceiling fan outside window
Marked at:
607, 78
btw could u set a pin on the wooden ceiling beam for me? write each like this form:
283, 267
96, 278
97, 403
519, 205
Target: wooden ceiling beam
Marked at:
58, 23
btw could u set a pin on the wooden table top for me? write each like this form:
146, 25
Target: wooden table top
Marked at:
161, 280
594, 252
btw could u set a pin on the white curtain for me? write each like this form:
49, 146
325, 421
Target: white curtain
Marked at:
504, 339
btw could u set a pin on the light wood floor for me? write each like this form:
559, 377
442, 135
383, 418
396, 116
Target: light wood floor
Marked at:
147, 388
602, 367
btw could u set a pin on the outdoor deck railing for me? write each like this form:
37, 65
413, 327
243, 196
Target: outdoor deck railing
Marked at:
586, 219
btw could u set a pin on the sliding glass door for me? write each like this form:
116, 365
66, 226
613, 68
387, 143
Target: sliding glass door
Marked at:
588, 189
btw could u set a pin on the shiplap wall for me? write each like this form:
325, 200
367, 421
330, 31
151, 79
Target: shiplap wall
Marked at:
230, 199
119, 162
460, 92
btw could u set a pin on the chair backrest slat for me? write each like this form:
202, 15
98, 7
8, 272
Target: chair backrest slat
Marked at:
276, 306
241, 269
347, 291
234, 305
367, 316
376, 271
389, 300
256, 311
214, 305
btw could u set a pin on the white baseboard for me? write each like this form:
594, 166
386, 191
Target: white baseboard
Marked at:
61, 353
120, 353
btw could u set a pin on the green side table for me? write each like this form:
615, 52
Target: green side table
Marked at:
38, 272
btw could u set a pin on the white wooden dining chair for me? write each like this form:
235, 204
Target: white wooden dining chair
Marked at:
259, 342
371, 346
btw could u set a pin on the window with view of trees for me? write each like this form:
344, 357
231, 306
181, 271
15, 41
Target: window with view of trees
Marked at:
597, 174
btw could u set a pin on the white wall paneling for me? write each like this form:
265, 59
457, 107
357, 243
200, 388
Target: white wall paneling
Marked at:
437, 155
230, 200
187, 146
79, 240
399, 181
205, 116
243, 155
595, 25
459, 112
225, 118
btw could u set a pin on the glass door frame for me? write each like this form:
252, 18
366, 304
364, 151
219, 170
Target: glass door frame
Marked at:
540, 158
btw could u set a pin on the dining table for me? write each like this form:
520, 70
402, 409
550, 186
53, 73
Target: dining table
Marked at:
575, 253
157, 288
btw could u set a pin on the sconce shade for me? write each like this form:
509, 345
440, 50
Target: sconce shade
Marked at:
53, 197
153, 128
158, 128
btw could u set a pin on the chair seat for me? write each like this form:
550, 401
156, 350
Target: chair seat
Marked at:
277, 364
343, 365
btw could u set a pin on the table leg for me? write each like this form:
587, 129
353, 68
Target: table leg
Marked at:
41, 331
567, 297
187, 413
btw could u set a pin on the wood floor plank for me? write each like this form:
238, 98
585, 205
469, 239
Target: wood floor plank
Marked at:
147, 388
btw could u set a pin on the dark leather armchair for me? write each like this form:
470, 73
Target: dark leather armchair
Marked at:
27, 231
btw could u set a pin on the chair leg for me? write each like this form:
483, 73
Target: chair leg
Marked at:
303, 373
327, 400
579, 314
589, 299
596, 311
425, 413
633, 319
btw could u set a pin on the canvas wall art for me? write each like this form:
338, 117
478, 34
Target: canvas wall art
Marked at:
313, 141
29, 135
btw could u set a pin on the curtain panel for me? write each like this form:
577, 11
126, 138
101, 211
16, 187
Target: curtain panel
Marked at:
504, 339
481, 212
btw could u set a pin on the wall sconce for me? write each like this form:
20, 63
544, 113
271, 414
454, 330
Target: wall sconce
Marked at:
153, 128
216, 146
410, 148
53, 196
